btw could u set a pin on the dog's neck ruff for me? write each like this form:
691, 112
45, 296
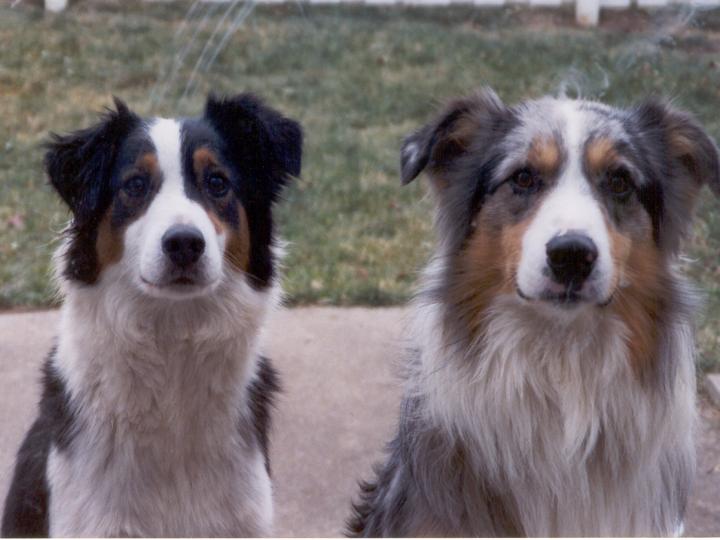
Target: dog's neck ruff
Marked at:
164, 441
550, 414
119, 343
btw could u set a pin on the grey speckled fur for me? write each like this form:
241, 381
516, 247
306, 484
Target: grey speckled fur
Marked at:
539, 426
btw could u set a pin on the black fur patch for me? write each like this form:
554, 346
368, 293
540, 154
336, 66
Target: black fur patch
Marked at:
262, 399
80, 166
26, 506
265, 149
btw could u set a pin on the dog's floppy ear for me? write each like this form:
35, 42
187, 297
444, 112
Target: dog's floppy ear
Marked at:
265, 142
685, 142
681, 157
79, 164
447, 137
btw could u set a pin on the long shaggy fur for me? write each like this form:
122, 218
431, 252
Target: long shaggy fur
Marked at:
522, 418
535, 432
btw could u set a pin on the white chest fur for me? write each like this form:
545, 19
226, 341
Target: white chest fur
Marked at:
132, 490
164, 443
553, 416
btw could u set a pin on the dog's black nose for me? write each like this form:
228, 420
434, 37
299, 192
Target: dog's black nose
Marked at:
183, 244
571, 258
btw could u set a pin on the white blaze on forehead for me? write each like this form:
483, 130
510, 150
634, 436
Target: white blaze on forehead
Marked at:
171, 205
569, 206
572, 118
575, 131
166, 136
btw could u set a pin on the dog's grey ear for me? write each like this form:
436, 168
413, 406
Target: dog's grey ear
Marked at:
694, 148
686, 142
79, 164
448, 136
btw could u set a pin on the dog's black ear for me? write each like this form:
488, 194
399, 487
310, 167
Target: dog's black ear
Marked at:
266, 143
79, 164
437, 144
684, 141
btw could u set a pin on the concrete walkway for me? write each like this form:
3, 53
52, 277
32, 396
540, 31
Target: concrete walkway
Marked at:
338, 409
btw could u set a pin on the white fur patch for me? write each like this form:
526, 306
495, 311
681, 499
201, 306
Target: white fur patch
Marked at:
160, 394
411, 151
570, 206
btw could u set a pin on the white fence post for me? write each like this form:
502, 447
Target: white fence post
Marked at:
587, 12
55, 5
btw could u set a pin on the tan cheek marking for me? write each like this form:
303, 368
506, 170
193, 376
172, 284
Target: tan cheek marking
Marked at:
512, 239
109, 243
620, 246
486, 267
638, 300
544, 155
237, 241
217, 223
600, 154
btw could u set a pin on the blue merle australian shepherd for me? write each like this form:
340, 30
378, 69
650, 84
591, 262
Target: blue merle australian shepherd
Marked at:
552, 388
155, 407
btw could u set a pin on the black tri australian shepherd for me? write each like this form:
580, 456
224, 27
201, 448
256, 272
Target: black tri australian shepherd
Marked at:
155, 407
551, 390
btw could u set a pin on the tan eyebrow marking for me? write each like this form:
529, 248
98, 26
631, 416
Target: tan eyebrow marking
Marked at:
544, 154
204, 159
600, 154
148, 162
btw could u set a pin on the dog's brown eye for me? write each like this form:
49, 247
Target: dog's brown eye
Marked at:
619, 183
136, 186
524, 180
217, 185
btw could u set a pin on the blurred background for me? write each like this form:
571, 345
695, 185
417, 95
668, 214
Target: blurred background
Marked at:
359, 77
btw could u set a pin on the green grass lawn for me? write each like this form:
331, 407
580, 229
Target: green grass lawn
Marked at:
359, 79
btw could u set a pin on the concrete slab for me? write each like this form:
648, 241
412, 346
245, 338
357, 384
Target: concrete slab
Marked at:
338, 409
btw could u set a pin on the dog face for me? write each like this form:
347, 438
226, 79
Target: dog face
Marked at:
175, 206
558, 202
